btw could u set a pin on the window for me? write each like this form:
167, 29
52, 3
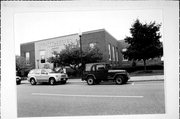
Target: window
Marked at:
42, 55
93, 68
109, 49
162, 58
113, 53
43, 72
92, 45
38, 71
27, 58
100, 67
117, 59
88, 67
124, 58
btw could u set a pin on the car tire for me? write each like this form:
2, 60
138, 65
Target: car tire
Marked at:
18, 82
119, 80
52, 81
32, 81
90, 80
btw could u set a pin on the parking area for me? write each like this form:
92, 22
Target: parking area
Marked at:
76, 98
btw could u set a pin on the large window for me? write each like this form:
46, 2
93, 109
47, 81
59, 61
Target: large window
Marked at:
124, 58
109, 49
42, 55
113, 53
117, 56
27, 58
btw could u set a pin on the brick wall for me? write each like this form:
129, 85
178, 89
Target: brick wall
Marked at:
28, 47
95, 37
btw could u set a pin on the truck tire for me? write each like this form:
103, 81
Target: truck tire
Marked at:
119, 80
90, 80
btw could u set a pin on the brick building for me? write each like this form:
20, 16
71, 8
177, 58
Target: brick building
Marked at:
37, 52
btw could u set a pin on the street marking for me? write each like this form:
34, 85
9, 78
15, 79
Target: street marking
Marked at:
95, 96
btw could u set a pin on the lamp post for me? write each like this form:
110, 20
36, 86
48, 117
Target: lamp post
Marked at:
80, 40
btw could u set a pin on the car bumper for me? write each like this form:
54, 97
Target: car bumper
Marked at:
62, 79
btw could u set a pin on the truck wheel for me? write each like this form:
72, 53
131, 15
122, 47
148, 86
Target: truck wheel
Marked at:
32, 81
52, 81
90, 80
119, 80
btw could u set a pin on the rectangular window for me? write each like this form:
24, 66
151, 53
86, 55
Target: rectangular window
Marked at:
113, 53
27, 58
117, 59
42, 56
109, 49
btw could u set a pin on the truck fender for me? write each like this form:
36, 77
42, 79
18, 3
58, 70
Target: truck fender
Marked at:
117, 75
91, 75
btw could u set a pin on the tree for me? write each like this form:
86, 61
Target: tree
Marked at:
70, 56
21, 66
144, 42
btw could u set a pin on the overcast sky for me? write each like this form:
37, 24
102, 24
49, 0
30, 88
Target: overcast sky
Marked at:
37, 26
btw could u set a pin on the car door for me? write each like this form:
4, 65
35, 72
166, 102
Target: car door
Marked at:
37, 74
44, 76
101, 72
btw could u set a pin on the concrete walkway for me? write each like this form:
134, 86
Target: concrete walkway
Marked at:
147, 78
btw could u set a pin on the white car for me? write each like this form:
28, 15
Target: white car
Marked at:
46, 75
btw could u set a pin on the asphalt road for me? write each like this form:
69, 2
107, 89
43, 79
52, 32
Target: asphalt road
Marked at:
76, 98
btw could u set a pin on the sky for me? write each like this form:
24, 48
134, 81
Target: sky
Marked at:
42, 25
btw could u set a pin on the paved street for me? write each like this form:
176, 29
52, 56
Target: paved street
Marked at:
76, 98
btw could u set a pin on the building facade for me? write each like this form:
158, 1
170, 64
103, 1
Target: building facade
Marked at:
36, 53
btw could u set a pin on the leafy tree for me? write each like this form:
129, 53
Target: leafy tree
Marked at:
71, 56
21, 66
144, 42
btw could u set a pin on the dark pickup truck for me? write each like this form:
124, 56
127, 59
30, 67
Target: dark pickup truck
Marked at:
94, 73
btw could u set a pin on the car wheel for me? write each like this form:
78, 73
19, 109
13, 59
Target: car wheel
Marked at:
90, 80
52, 81
18, 82
119, 80
33, 82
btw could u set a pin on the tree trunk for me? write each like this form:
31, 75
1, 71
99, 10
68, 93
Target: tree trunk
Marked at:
144, 64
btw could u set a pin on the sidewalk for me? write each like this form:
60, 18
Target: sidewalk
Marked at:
147, 78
